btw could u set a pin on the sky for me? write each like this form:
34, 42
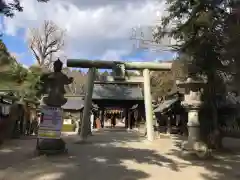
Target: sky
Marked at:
95, 29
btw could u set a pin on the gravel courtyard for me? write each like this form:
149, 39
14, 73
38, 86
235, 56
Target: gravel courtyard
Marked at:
113, 154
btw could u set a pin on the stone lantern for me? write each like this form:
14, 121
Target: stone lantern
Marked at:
53, 84
192, 103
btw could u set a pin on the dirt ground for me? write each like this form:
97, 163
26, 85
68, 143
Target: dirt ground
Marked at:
113, 154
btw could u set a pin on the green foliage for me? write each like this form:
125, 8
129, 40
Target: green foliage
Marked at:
18, 72
8, 9
232, 53
5, 57
198, 29
163, 83
12, 73
15, 77
32, 85
198, 26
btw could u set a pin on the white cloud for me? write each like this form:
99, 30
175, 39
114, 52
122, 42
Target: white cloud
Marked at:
113, 55
95, 28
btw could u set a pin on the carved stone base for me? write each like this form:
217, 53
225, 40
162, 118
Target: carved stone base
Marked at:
201, 149
51, 147
194, 133
196, 148
187, 146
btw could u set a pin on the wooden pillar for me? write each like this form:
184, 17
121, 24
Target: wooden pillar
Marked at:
126, 117
98, 120
21, 120
80, 121
177, 118
148, 105
129, 120
102, 117
169, 124
136, 116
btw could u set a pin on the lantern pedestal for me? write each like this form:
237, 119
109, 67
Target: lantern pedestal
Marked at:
193, 103
51, 146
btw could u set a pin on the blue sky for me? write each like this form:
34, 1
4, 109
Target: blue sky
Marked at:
18, 45
95, 30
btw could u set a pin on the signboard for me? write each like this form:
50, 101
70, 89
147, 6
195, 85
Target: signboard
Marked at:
51, 122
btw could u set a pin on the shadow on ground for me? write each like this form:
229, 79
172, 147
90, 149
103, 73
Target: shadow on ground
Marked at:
106, 157
119, 155
17, 150
223, 165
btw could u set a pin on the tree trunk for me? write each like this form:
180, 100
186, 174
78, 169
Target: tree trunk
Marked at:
89, 128
214, 136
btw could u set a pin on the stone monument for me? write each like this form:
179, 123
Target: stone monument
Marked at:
193, 103
53, 85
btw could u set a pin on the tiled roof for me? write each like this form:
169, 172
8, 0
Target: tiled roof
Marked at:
165, 105
74, 104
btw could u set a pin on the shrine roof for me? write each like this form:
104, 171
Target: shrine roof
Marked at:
74, 103
165, 105
116, 92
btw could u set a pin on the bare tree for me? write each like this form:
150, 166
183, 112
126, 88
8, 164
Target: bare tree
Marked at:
77, 87
45, 42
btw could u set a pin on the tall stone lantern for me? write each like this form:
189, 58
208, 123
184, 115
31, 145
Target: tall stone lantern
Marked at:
192, 103
53, 86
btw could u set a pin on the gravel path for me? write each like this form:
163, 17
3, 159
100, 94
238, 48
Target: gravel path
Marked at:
112, 154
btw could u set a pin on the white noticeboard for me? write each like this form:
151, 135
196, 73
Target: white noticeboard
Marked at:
51, 123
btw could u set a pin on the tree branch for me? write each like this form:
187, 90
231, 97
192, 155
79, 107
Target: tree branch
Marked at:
46, 41
36, 55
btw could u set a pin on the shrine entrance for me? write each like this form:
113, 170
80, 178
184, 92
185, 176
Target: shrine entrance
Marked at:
121, 78
119, 101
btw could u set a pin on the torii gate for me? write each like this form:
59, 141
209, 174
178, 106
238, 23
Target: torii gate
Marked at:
119, 68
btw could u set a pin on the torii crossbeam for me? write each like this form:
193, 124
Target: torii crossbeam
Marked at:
119, 67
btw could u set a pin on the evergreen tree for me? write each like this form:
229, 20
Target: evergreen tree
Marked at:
5, 57
8, 9
198, 26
